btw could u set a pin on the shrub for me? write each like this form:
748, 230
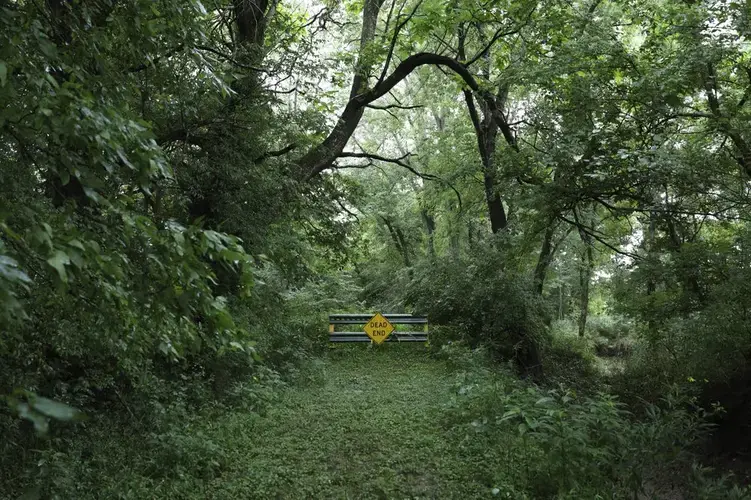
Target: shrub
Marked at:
620, 347
556, 443
444, 335
484, 304
704, 484
570, 359
611, 327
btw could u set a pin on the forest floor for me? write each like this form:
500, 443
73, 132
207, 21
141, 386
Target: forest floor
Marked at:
361, 422
371, 428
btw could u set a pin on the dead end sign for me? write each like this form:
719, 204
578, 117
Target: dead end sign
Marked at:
378, 328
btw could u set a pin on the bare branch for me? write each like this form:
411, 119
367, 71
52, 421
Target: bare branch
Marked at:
229, 58
394, 106
690, 115
345, 209
590, 232
397, 161
393, 40
498, 35
153, 62
388, 17
320, 158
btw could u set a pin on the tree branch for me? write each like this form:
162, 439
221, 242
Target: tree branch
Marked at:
393, 40
321, 157
397, 161
153, 62
498, 35
274, 154
229, 58
394, 106
591, 233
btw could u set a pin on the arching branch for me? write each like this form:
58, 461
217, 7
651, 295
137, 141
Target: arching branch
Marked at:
400, 162
322, 156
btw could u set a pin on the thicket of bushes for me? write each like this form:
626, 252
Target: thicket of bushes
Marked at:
571, 439
161, 402
483, 303
557, 443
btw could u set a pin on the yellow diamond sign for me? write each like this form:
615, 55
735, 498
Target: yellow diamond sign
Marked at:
378, 328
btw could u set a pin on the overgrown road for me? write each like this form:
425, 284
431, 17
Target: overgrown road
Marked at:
371, 426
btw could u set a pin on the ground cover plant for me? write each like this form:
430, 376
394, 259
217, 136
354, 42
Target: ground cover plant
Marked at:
189, 187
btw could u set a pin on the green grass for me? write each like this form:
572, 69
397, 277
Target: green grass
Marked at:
365, 422
373, 422
373, 429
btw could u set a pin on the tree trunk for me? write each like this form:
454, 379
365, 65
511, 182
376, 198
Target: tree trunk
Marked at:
430, 229
250, 17
398, 238
585, 274
454, 240
543, 262
496, 211
404, 247
723, 123
318, 158
486, 132
529, 359
650, 249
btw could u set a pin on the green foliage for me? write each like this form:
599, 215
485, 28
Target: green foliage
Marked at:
609, 326
690, 326
122, 290
166, 246
704, 484
553, 443
570, 359
484, 302
39, 410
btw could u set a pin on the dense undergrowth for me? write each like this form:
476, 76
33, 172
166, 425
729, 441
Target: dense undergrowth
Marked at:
559, 443
393, 421
181, 207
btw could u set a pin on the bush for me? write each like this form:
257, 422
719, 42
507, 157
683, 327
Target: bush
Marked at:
620, 347
705, 484
458, 357
176, 453
443, 335
611, 327
556, 443
570, 359
484, 305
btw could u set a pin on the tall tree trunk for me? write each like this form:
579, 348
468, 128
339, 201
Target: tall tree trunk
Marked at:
650, 248
251, 20
722, 121
687, 276
318, 158
454, 240
397, 236
430, 229
404, 247
486, 132
489, 131
585, 275
543, 262
496, 211
472, 236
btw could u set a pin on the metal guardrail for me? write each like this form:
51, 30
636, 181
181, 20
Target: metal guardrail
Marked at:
362, 319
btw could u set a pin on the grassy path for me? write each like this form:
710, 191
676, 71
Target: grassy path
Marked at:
372, 429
